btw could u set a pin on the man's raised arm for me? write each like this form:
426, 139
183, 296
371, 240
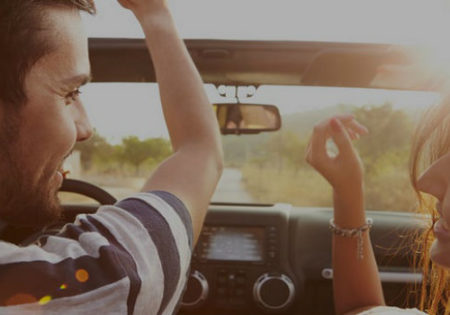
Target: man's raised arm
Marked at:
194, 169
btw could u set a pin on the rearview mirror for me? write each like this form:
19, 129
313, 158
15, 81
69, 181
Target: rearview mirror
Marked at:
237, 118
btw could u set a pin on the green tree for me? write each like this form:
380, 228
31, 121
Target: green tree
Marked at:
279, 172
136, 151
159, 148
88, 149
293, 150
385, 152
286, 150
389, 133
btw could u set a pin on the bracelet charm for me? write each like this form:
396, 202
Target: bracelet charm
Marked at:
353, 233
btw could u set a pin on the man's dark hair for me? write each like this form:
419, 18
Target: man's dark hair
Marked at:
22, 42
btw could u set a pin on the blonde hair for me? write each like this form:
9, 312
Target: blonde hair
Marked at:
431, 141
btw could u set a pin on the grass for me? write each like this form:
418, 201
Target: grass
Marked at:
388, 190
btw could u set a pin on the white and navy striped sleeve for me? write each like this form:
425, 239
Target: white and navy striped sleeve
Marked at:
130, 258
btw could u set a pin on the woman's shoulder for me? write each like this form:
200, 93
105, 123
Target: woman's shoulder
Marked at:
391, 310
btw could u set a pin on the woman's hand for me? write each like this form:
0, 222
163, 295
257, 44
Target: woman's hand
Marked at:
343, 171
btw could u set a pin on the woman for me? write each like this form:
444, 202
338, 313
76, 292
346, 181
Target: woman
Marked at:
357, 287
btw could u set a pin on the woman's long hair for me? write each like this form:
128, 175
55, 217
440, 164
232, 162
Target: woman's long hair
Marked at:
431, 141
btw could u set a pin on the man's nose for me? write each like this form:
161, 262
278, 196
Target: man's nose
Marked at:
83, 125
84, 130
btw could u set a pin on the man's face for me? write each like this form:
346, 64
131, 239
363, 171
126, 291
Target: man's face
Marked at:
36, 140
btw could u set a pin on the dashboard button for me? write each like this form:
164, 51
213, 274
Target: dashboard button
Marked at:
240, 292
222, 291
222, 280
272, 242
274, 292
240, 280
197, 290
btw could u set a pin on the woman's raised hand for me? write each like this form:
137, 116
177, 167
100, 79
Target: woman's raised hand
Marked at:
343, 171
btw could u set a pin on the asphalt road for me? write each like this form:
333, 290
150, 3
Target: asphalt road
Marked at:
231, 188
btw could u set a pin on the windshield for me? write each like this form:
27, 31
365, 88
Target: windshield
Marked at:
131, 139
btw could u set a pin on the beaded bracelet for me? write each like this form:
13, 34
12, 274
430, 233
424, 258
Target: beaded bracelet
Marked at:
353, 233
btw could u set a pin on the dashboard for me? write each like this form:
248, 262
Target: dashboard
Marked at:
277, 259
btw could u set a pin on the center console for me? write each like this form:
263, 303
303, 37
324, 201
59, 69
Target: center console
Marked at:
241, 266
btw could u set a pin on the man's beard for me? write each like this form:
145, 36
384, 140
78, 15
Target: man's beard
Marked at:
23, 202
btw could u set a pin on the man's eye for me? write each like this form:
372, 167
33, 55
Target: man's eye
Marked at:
72, 96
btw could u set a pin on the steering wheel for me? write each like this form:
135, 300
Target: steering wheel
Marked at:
89, 190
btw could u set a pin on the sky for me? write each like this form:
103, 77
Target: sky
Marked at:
386, 21
118, 110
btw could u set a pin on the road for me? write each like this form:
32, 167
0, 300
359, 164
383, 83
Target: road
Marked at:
231, 188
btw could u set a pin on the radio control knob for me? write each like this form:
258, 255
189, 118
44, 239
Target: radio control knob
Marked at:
197, 290
274, 292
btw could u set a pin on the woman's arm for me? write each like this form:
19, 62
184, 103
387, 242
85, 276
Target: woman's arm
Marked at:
355, 280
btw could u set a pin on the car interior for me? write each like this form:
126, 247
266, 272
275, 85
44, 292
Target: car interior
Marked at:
269, 255
265, 247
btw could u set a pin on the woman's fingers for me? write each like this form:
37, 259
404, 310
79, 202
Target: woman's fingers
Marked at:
317, 154
345, 166
342, 128
353, 135
344, 117
341, 137
356, 127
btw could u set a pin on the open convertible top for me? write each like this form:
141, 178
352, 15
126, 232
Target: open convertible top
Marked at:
232, 62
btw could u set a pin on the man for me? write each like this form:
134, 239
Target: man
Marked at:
131, 258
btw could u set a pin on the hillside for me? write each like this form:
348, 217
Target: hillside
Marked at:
239, 149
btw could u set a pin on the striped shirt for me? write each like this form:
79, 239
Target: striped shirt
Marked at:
130, 258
